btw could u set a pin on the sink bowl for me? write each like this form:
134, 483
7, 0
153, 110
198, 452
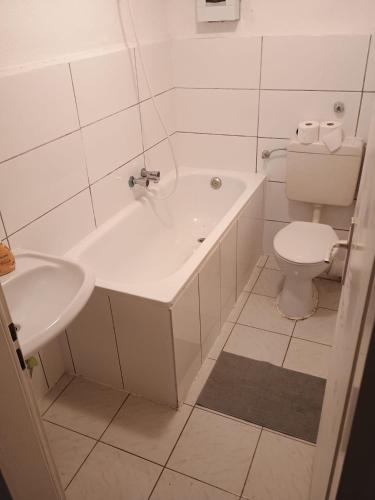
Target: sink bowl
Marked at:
44, 294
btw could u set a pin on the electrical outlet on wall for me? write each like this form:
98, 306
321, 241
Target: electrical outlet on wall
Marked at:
218, 10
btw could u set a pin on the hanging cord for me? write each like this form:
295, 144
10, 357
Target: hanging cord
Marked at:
148, 83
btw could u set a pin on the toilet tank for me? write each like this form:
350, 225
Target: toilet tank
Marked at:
314, 175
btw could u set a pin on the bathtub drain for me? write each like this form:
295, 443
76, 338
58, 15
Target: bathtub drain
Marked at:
201, 240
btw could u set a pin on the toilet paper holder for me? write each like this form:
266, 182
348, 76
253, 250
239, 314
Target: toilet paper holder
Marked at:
266, 153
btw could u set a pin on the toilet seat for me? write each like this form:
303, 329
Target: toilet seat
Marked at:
304, 242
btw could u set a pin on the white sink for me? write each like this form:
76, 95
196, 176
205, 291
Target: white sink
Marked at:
44, 295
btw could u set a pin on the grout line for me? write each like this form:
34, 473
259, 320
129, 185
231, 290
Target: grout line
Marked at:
264, 330
2, 222
244, 89
70, 351
57, 397
115, 335
287, 436
311, 341
44, 370
251, 463
69, 429
363, 85
258, 117
215, 133
287, 349
74, 95
49, 211
39, 146
228, 417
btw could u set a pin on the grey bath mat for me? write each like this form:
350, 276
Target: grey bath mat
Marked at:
283, 400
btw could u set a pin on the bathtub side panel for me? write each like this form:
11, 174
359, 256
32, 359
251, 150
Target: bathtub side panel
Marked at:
228, 271
249, 237
210, 303
144, 335
187, 337
93, 344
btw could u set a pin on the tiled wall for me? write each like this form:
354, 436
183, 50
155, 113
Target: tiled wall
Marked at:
70, 137
235, 97
71, 134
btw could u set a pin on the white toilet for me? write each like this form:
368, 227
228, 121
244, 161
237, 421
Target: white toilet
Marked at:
320, 178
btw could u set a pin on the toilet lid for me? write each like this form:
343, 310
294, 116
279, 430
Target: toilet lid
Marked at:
304, 242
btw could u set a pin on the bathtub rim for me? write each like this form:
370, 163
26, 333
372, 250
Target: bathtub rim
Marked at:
166, 291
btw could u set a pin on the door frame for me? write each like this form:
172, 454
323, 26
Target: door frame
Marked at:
26, 461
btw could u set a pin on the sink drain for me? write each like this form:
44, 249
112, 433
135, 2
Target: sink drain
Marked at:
201, 240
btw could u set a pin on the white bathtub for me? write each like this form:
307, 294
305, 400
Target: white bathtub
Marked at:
167, 294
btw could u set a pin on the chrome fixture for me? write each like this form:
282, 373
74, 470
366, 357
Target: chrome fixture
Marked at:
146, 177
266, 153
216, 183
151, 175
339, 107
333, 248
140, 181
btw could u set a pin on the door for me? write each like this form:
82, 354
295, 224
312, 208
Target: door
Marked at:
25, 461
349, 339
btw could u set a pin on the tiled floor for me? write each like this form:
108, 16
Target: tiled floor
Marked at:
111, 445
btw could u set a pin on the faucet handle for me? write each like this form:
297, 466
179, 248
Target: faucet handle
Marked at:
150, 174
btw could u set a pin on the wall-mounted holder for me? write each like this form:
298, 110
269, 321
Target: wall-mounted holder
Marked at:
266, 153
339, 107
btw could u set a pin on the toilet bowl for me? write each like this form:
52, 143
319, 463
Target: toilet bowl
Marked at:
300, 249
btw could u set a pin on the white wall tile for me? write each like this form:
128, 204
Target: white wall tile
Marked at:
332, 62
367, 111
35, 182
104, 84
112, 142
60, 229
93, 344
228, 272
270, 230
275, 166
187, 337
337, 217
112, 193
215, 111
370, 73
209, 296
279, 208
158, 62
216, 151
217, 62
160, 157
281, 111
152, 129
36, 107
53, 361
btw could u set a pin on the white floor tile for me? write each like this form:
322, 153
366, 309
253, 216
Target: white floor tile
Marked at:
54, 393
258, 344
308, 357
318, 328
236, 311
86, 407
200, 380
69, 450
221, 340
253, 279
272, 263
261, 312
281, 469
112, 474
216, 450
147, 429
269, 283
329, 293
174, 486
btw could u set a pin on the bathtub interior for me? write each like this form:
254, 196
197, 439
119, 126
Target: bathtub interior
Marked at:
154, 348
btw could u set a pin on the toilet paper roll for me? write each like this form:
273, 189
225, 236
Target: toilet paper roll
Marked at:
327, 127
308, 132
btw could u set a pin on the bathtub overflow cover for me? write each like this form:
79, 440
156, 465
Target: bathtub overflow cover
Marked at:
201, 240
216, 183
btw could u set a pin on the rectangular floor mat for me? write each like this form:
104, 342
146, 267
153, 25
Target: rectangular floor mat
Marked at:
264, 394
